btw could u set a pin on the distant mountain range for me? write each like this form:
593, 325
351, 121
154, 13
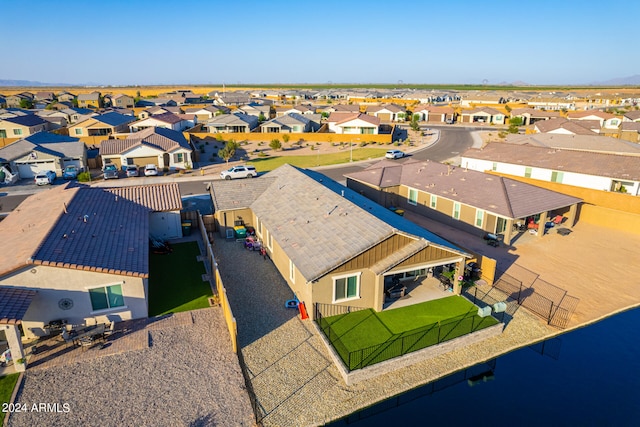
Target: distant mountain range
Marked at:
621, 81
30, 83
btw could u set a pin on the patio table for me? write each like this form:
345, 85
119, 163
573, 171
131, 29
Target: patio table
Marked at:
88, 332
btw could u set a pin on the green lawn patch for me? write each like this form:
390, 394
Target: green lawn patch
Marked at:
363, 338
175, 281
308, 161
7, 384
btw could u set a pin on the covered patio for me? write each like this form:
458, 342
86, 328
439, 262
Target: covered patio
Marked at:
416, 290
14, 303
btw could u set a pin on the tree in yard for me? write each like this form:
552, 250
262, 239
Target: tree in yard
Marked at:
275, 144
261, 118
285, 138
414, 122
26, 103
506, 107
514, 123
228, 151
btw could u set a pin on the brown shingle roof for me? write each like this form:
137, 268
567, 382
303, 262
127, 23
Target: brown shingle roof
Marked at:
156, 197
597, 164
14, 303
575, 127
162, 139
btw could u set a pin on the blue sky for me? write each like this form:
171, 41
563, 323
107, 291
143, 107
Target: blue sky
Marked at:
177, 42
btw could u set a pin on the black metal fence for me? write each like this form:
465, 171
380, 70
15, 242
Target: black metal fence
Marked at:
542, 298
397, 345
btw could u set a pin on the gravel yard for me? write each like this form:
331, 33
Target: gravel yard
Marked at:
188, 376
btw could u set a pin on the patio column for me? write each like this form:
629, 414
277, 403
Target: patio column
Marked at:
571, 216
457, 285
508, 232
15, 345
541, 223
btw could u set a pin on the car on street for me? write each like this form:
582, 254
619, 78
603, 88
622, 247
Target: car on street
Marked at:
70, 172
150, 170
394, 154
239, 172
45, 177
110, 171
132, 170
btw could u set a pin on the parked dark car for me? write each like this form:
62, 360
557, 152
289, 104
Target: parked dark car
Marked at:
110, 171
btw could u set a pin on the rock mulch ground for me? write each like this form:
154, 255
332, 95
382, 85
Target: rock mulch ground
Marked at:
188, 376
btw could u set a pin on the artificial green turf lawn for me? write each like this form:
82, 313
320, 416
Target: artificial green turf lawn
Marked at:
419, 323
266, 164
7, 384
175, 281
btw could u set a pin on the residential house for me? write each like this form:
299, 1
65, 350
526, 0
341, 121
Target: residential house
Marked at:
292, 122
47, 96
630, 131
3, 101
483, 115
205, 113
330, 244
66, 97
560, 125
90, 100
263, 112
597, 171
473, 201
21, 126
606, 120
388, 112
102, 125
76, 114
353, 123
43, 151
57, 119
296, 109
122, 101
15, 101
232, 123
167, 120
152, 111
531, 116
631, 116
80, 254
156, 102
552, 103
435, 114
592, 142
473, 99
230, 98
165, 148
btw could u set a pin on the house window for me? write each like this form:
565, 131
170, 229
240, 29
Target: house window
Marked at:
434, 201
527, 172
413, 197
479, 217
106, 297
456, 210
494, 166
269, 241
292, 272
557, 177
259, 227
346, 287
17, 131
178, 158
3, 133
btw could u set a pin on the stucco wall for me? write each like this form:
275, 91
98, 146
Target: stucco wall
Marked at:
54, 284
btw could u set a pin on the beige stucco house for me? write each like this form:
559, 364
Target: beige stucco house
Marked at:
102, 125
21, 126
331, 245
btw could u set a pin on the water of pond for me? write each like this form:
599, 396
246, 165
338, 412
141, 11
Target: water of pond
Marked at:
587, 377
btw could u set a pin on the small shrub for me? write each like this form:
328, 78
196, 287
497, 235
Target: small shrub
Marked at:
275, 144
285, 138
364, 144
313, 147
262, 154
84, 176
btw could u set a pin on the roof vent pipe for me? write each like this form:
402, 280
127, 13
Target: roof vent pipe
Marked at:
85, 218
342, 192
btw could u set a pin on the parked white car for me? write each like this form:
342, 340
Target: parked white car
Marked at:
45, 177
394, 154
239, 172
150, 170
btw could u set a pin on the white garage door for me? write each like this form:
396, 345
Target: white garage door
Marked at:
30, 170
72, 162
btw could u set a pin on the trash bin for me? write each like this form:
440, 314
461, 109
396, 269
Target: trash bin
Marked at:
186, 228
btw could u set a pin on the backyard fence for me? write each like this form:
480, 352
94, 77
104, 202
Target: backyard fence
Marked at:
397, 345
542, 298
221, 292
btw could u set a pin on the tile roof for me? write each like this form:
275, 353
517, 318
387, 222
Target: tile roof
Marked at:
575, 127
590, 142
633, 115
93, 96
79, 227
114, 119
340, 118
99, 232
534, 113
166, 117
389, 107
433, 109
14, 303
579, 115
585, 162
162, 139
27, 120
486, 110
493, 193
299, 206
156, 197
631, 126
